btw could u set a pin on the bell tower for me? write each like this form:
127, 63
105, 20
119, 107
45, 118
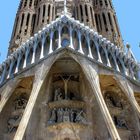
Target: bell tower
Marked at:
24, 23
106, 21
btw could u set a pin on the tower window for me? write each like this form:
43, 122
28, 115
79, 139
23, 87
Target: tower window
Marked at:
33, 22
81, 10
101, 3
110, 20
44, 11
38, 16
100, 22
106, 3
92, 16
105, 23
96, 19
22, 20
25, 3
30, 4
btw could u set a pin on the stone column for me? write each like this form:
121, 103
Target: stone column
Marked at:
51, 39
98, 52
42, 47
106, 53
59, 35
10, 70
80, 45
18, 63
26, 57
34, 52
89, 48
71, 39
116, 64
40, 77
93, 78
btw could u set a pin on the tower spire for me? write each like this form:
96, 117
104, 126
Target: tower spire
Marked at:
65, 6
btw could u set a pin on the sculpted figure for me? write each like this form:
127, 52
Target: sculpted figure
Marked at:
72, 115
113, 103
120, 122
53, 117
58, 95
60, 113
20, 103
13, 123
66, 116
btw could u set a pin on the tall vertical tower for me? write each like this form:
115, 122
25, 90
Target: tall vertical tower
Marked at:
106, 21
67, 76
24, 23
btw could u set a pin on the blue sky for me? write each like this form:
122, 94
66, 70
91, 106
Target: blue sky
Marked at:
128, 13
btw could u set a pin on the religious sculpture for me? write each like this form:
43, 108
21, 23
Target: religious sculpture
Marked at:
120, 122
66, 115
60, 113
53, 117
20, 103
13, 122
58, 95
112, 102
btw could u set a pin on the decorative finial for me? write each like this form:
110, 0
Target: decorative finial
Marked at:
65, 6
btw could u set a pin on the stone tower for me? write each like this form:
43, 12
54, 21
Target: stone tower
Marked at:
106, 21
67, 76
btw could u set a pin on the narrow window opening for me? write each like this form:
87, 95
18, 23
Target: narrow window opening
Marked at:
105, 23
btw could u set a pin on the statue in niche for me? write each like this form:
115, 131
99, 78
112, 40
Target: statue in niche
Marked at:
20, 103
112, 102
58, 95
72, 115
13, 122
60, 113
53, 117
80, 117
120, 122
66, 115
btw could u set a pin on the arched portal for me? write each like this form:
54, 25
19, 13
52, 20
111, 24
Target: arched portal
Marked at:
66, 107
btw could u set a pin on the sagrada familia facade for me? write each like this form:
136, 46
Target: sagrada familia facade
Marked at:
68, 76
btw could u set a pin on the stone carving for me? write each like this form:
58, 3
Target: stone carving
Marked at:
120, 122
20, 103
53, 117
112, 102
67, 115
14, 121
58, 95
60, 115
